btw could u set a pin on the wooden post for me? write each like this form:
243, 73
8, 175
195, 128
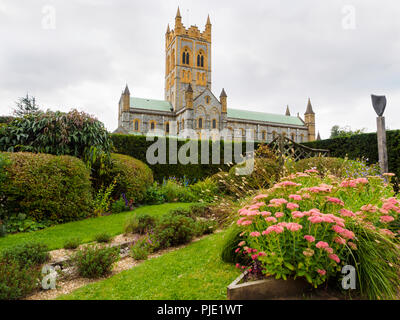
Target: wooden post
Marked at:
382, 151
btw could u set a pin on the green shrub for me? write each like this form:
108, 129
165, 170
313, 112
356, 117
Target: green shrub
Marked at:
199, 209
363, 146
103, 237
102, 199
154, 195
172, 230
3, 231
137, 146
118, 206
72, 243
173, 191
205, 226
132, 177
139, 223
17, 282
27, 254
230, 244
95, 262
205, 191
73, 133
47, 188
143, 247
21, 223
182, 212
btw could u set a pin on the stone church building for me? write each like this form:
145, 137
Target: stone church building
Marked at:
190, 103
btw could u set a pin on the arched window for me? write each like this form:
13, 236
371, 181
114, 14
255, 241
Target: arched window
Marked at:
167, 127
202, 61
152, 125
263, 135
185, 57
200, 123
214, 123
198, 60
136, 125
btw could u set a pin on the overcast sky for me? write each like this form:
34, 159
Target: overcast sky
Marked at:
266, 54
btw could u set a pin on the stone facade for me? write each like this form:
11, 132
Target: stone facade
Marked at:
190, 103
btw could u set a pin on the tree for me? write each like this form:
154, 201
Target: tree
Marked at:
26, 105
337, 132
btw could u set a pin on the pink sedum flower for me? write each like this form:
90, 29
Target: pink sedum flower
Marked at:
322, 245
322, 272
334, 257
241, 243
292, 206
347, 213
255, 234
270, 219
297, 214
279, 214
386, 219
352, 245
292, 226
309, 238
335, 200
295, 197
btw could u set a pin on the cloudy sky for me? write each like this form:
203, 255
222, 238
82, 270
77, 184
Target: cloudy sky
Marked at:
266, 54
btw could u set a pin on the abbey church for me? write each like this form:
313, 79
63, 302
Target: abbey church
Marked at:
191, 104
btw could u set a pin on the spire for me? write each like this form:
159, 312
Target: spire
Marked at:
189, 88
126, 91
223, 94
178, 14
208, 20
168, 30
309, 107
318, 137
287, 111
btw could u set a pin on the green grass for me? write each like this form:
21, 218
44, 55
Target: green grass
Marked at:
191, 273
86, 230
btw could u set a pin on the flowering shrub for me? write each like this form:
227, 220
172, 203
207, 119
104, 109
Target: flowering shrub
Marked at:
309, 226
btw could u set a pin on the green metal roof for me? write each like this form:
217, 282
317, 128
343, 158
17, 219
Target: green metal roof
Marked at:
261, 116
151, 104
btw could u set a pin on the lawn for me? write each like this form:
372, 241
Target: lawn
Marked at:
86, 229
194, 272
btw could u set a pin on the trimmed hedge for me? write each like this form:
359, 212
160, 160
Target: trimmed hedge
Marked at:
46, 187
132, 177
363, 146
136, 146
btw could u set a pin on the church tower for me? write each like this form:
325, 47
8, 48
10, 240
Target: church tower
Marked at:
188, 61
309, 118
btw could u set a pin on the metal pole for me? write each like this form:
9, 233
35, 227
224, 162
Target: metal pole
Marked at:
382, 151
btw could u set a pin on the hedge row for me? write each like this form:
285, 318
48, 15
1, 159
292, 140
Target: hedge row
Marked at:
363, 146
137, 146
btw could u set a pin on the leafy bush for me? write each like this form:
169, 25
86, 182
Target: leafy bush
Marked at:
308, 226
72, 243
139, 223
103, 237
102, 200
15, 281
27, 254
46, 188
143, 247
336, 166
205, 191
205, 226
21, 223
119, 206
174, 191
363, 146
95, 262
3, 230
137, 146
172, 230
74, 133
199, 209
132, 177
154, 195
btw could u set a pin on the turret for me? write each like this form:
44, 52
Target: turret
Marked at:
126, 98
178, 23
207, 31
309, 119
287, 111
318, 137
223, 101
189, 97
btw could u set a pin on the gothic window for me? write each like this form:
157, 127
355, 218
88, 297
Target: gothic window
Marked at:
198, 60
185, 57
152, 125
214, 123
263, 135
136, 125
167, 127
200, 123
202, 61
208, 99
